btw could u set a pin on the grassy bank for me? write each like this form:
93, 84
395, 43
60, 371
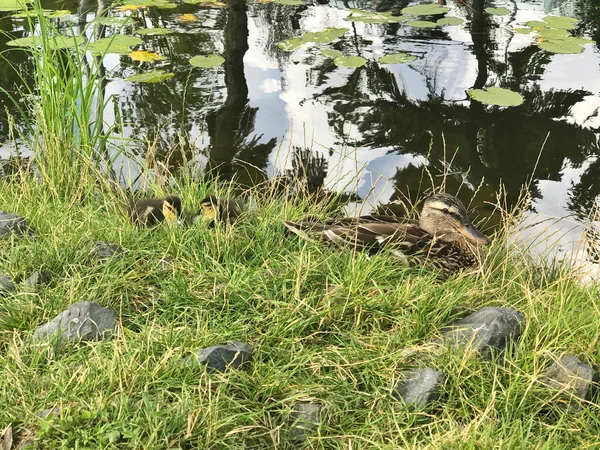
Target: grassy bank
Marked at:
326, 325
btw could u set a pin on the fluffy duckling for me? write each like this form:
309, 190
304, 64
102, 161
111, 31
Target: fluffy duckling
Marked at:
225, 210
152, 211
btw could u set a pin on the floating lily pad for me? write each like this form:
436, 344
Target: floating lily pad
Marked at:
160, 4
349, 61
119, 44
206, 62
397, 58
54, 42
425, 10
289, 45
563, 23
153, 31
496, 96
290, 2
421, 24
536, 24
13, 5
207, 3
358, 15
146, 56
561, 47
523, 30
156, 76
112, 21
325, 36
450, 21
331, 53
551, 33
498, 11
49, 13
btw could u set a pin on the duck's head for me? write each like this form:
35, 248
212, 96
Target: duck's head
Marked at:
445, 217
171, 209
209, 209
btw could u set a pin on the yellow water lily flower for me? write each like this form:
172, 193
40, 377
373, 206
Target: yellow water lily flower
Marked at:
145, 56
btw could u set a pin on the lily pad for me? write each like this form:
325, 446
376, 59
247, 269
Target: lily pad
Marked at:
206, 62
54, 42
289, 45
325, 36
497, 11
450, 21
425, 10
207, 3
552, 33
13, 5
160, 4
349, 61
421, 24
290, 2
560, 22
496, 96
331, 53
523, 30
561, 47
536, 24
119, 44
48, 13
156, 76
153, 31
146, 56
358, 15
397, 58
112, 21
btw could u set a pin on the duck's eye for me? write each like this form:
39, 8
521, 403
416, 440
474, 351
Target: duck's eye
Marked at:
446, 211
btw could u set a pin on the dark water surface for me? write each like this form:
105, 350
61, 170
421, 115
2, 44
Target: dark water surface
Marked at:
369, 131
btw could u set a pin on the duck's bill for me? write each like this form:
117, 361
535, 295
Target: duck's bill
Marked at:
469, 231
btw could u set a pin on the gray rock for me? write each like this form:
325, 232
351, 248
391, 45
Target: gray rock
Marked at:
105, 250
37, 278
13, 223
219, 358
419, 387
6, 284
305, 419
573, 375
484, 330
82, 321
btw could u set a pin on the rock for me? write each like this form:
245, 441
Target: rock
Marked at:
484, 330
305, 418
219, 358
13, 223
573, 375
6, 284
419, 387
53, 412
37, 278
105, 250
82, 321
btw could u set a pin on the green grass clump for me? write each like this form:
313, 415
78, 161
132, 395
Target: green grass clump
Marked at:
327, 326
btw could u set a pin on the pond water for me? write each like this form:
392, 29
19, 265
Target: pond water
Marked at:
383, 132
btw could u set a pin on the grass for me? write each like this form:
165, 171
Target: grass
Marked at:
327, 326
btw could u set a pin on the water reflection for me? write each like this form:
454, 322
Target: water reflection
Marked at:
368, 131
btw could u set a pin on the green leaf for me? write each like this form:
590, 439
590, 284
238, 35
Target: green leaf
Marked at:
551, 33
397, 58
289, 45
160, 4
421, 24
523, 30
325, 36
561, 47
450, 21
54, 42
119, 44
498, 11
496, 96
536, 24
358, 15
13, 5
49, 13
349, 61
560, 22
290, 2
153, 31
156, 76
331, 53
425, 10
206, 62
112, 21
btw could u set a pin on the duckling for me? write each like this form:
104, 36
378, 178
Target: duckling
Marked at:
443, 236
152, 211
226, 210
